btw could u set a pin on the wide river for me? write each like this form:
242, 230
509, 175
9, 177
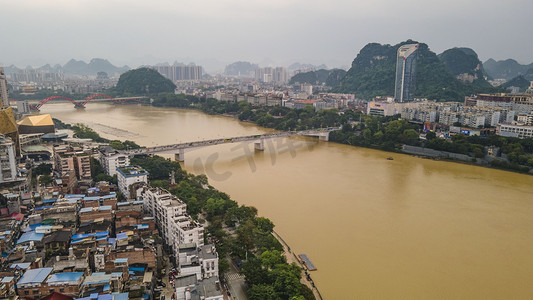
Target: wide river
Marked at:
407, 228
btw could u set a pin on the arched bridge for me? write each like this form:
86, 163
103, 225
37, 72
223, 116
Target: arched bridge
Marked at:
180, 149
83, 102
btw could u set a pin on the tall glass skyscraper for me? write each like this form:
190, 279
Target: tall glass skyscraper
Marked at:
404, 87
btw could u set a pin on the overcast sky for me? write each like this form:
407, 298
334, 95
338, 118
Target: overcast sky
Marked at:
275, 32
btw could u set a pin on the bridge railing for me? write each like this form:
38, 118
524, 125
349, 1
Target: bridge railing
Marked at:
196, 144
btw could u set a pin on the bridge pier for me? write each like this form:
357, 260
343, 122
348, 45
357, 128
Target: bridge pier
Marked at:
259, 145
324, 137
180, 156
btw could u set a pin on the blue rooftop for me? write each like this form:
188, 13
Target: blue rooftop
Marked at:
66, 276
121, 260
122, 236
35, 276
105, 207
91, 198
7, 279
20, 266
30, 236
43, 207
74, 195
86, 209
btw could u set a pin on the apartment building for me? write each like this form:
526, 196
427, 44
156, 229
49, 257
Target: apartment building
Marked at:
128, 177
77, 159
111, 160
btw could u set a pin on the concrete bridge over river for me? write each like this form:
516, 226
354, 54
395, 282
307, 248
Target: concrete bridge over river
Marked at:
259, 139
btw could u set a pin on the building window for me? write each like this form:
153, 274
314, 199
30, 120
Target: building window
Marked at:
26, 292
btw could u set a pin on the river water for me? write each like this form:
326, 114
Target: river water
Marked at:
406, 228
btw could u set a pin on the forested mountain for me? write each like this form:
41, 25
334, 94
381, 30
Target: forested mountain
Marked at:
143, 81
373, 72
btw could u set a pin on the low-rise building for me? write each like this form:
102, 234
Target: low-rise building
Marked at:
33, 283
515, 130
67, 283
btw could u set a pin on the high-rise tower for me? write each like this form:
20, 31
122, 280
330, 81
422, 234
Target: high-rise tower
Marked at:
8, 126
404, 87
4, 100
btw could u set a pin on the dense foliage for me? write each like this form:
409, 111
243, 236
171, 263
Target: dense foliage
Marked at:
373, 73
461, 61
518, 81
389, 133
382, 133
143, 81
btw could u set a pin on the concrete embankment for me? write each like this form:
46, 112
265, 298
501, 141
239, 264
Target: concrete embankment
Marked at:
292, 258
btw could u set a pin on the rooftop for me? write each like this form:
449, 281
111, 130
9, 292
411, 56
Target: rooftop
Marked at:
130, 171
65, 277
34, 276
30, 236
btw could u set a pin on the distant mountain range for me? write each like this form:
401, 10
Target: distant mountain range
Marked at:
78, 68
241, 68
508, 69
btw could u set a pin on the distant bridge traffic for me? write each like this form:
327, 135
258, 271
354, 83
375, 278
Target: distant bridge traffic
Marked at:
83, 102
180, 149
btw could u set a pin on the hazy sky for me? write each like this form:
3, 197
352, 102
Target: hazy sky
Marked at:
276, 32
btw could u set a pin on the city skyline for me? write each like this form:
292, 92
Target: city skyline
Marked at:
213, 33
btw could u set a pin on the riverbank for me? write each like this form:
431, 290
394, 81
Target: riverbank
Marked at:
292, 258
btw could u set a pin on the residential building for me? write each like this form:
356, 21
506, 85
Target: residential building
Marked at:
515, 130
128, 177
272, 75
32, 283
180, 72
67, 158
8, 161
67, 283
175, 225
111, 159
404, 86
189, 287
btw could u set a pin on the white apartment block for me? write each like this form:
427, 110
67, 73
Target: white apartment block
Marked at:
170, 214
111, 160
127, 177
514, 130
200, 261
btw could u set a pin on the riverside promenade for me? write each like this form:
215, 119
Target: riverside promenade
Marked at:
292, 258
